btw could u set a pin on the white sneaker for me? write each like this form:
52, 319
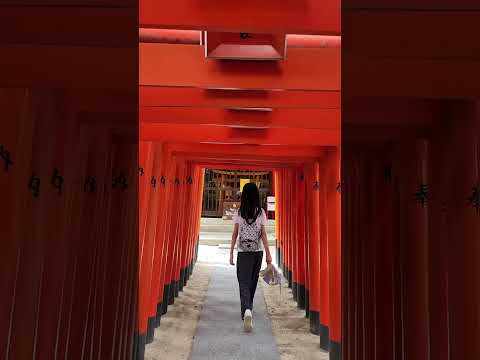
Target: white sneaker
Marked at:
248, 322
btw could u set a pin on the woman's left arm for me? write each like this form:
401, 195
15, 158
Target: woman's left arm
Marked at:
265, 245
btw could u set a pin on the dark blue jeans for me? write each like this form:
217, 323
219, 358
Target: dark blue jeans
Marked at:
248, 269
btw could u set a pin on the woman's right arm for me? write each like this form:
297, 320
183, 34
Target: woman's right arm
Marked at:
232, 244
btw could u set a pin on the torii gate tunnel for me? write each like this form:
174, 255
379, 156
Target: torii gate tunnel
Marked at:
366, 113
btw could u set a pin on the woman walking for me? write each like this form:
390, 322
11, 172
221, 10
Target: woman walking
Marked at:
249, 228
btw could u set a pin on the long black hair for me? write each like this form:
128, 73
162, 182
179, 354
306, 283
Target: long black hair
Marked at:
250, 203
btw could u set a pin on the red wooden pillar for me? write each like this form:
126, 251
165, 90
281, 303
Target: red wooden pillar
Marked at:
33, 226
13, 173
324, 329
183, 225
440, 163
277, 223
116, 259
398, 223
201, 181
176, 225
57, 243
173, 232
87, 313
366, 253
300, 232
308, 191
334, 252
145, 169
125, 311
169, 228
349, 166
152, 239
285, 224
287, 231
281, 214
193, 218
305, 221
157, 181
273, 192
314, 187
281, 218
382, 190
187, 221
294, 183
81, 277
55, 249
289, 220
164, 188
414, 162
198, 213
180, 239
197, 199
464, 223
293, 230
360, 210
146, 162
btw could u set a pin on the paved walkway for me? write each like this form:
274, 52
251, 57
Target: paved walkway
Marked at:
220, 332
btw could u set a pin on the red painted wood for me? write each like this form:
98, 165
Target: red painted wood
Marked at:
261, 17
156, 291
463, 263
147, 159
328, 119
314, 239
305, 69
334, 243
323, 236
151, 96
148, 254
300, 233
215, 134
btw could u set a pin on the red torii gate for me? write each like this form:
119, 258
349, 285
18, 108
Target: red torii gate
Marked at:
282, 117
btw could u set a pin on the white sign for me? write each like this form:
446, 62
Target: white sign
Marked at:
270, 203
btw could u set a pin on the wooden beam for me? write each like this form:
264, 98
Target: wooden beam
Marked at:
375, 135
260, 16
196, 97
391, 111
98, 101
429, 34
223, 166
227, 158
432, 57
185, 65
217, 134
69, 25
285, 118
411, 5
69, 67
410, 77
248, 150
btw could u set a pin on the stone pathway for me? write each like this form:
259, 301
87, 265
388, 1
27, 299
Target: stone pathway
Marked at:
220, 333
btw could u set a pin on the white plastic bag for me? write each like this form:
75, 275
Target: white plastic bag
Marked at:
272, 276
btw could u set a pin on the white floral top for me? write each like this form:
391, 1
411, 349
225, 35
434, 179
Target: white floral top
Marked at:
250, 235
